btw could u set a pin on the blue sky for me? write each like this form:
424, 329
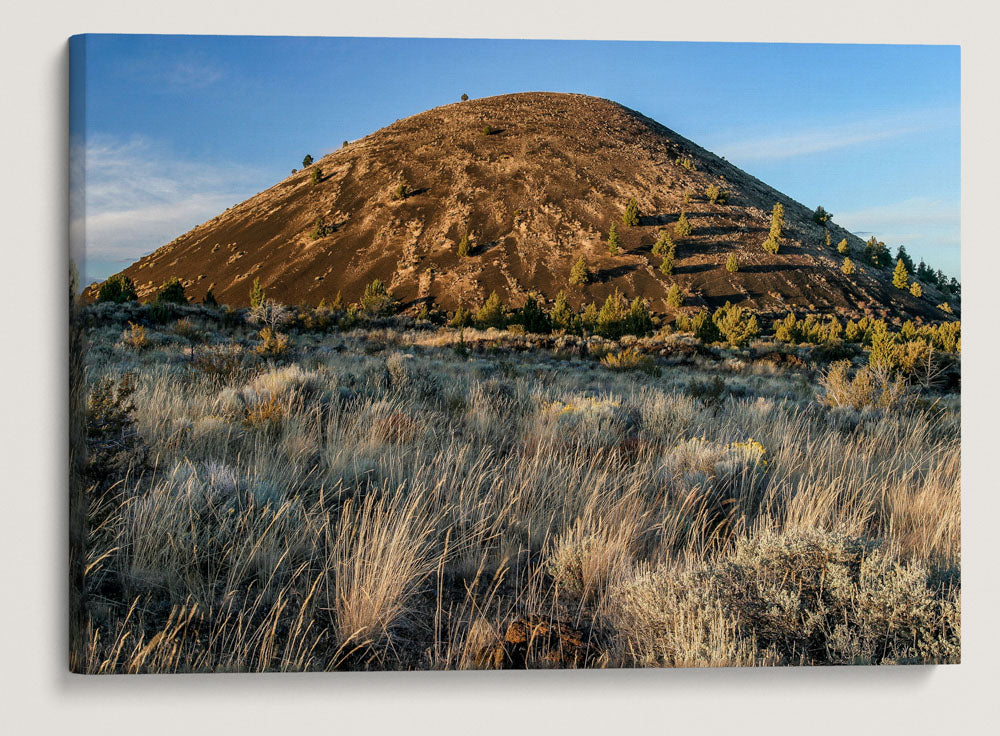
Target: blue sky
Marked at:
172, 130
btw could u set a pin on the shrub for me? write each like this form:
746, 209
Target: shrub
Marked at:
715, 195
847, 267
172, 292
463, 246
317, 175
461, 318
630, 218
732, 263
771, 245
135, 337
682, 228
532, 317
464, 97
687, 163
736, 324
614, 244
377, 301
402, 191
492, 313
827, 240
801, 596
489, 130
579, 274
900, 278
256, 294
307, 161
117, 289
630, 359
916, 289
843, 248
821, 216
272, 344
945, 307
674, 298
209, 299
870, 387
701, 324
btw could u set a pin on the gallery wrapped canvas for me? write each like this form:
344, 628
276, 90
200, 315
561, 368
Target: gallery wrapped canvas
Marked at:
431, 354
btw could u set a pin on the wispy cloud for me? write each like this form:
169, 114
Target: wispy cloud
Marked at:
842, 135
132, 196
172, 73
929, 228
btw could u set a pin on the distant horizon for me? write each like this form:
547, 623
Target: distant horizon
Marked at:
172, 130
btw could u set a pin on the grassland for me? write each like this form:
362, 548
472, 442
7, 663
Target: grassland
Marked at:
400, 496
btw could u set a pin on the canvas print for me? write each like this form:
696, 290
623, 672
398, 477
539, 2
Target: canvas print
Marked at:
444, 354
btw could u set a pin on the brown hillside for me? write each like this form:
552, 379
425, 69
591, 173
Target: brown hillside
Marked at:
533, 196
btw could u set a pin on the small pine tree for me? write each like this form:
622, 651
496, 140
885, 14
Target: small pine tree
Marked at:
821, 216
630, 217
900, 279
667, 267
614, 244
826, 238
771, 245
843, 248
209, 300
579, 274
562, 316
732, 263
402, 191
777, 222
256, 293
317, 175
463, 246
674, 298
465, 97
712, 193
377, 300
492, 313
902, 255
307, 161
847, 268
916, 289
663, 244
682, 228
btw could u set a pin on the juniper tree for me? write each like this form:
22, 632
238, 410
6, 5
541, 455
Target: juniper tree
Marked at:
667, 266
916, 289
172, 292
463, 246
118, 289
465, 97
492, 313
843, 248
377, 300
821, 216
317, 175
732, 263
674, 298
847, 268
307, 161
562, 316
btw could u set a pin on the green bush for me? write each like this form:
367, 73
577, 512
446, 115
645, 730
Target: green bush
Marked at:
736, 324
256, 294
532, 317
900, 278
916, 289
377, 301
843, 248
464, 97
117, 289
172, 292
876, 253
463, 246
579, 274
562, 316
614, 244
402, 191
663, 244
732, 263
682, 228
715, 195
847, 267
307, 161
492, 313
630, 218
317, 175
674, 298
821, 216
667, 265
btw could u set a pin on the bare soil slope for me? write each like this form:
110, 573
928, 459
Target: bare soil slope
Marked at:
533, 196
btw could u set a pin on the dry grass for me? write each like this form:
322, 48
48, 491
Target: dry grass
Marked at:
383, 502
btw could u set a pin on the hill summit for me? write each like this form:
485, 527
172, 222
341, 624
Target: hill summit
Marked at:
506, 194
